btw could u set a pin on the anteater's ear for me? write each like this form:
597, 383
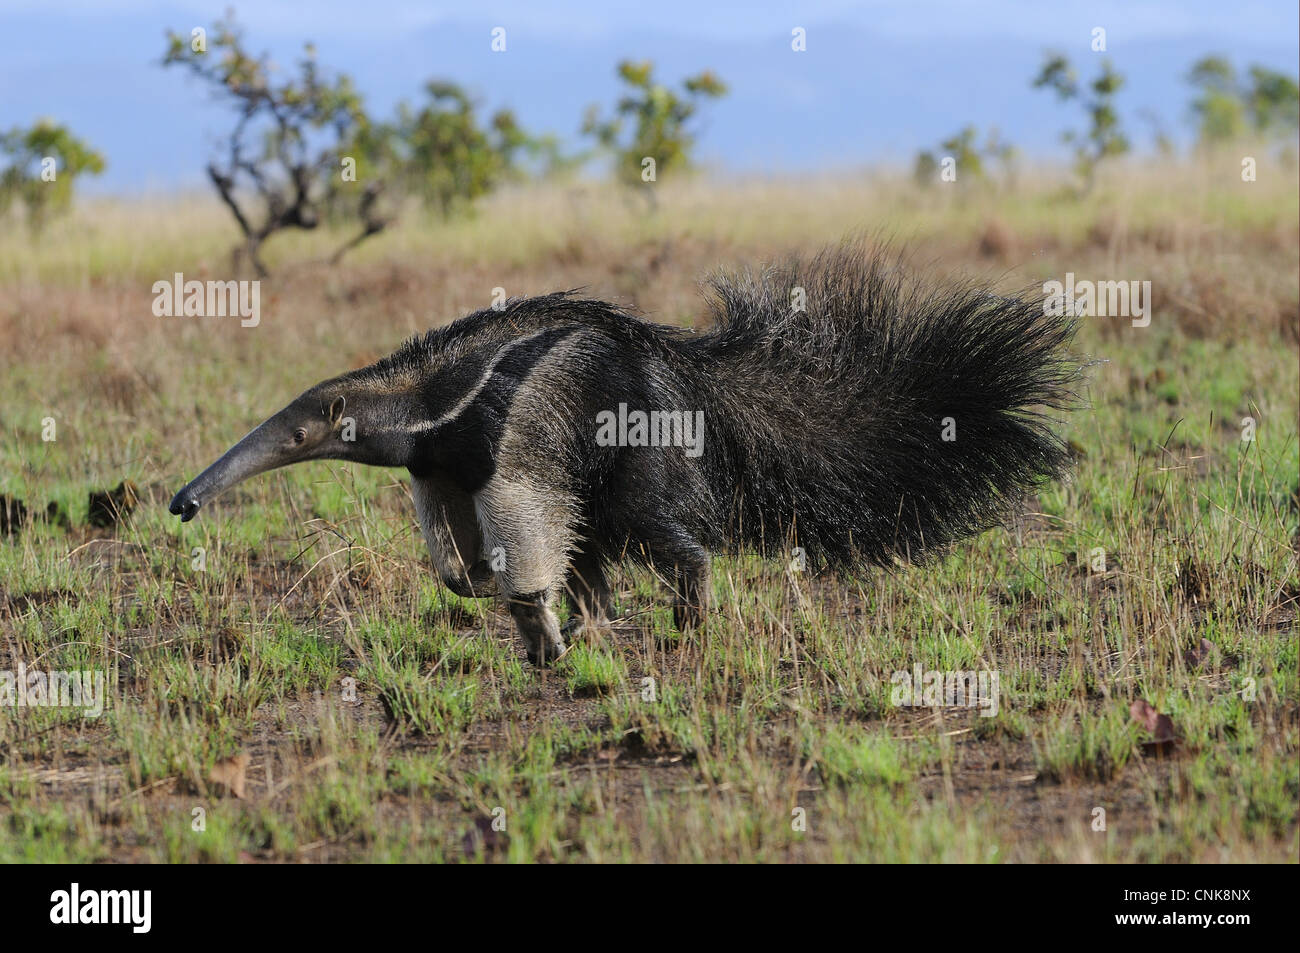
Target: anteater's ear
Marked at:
337, 406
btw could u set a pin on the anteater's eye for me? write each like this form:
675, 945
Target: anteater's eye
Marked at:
299, 435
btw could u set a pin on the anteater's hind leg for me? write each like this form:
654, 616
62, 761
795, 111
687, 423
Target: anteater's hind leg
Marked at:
588, 591
676, 552
691, 593
526, 530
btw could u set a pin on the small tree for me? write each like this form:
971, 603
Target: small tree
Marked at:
964, 152
968, 156
1104, 138
285, 146
441, 152
1273, 102
1220, 113
1269, 104
41, 166
651, 122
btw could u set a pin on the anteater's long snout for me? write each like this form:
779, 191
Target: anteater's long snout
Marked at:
184, 505
258, 452
206, 486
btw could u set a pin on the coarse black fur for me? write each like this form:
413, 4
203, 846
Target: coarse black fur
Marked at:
824, 427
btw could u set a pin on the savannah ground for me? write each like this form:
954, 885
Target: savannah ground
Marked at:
778, 714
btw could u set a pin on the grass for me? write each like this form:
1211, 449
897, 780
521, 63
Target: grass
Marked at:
297, 622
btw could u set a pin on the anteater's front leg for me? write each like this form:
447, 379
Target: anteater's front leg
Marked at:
452, 534
538, 626
526, 528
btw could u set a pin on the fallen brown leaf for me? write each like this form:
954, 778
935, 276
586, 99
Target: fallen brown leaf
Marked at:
1198, 653
1161, 727
228, 773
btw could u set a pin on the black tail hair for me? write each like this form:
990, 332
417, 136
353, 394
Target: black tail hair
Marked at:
839, 379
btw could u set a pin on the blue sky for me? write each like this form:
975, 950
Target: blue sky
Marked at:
878, 80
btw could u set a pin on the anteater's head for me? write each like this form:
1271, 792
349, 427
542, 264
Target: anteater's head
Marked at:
377, 415
315, 426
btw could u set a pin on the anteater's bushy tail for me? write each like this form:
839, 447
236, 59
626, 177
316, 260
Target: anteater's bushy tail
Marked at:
875, 415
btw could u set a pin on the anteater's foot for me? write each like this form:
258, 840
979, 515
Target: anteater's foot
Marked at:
668, 641
688, 616
539, 628
589, 596
691, 596
546, 655
581, 628
688, 583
